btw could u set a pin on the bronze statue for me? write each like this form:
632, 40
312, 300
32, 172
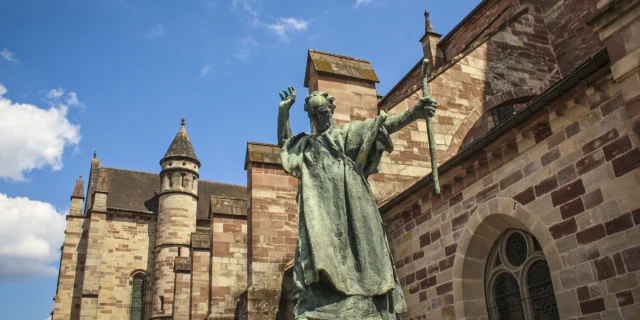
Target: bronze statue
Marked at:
343, 267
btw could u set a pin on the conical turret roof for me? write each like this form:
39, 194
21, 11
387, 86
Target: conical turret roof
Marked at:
181, 145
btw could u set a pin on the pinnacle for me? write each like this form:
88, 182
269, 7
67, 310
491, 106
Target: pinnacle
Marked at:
78, 190
428, 27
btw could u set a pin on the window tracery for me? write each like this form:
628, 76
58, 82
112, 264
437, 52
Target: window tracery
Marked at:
518, 282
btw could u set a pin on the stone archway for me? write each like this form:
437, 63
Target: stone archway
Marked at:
482, 230
519, 94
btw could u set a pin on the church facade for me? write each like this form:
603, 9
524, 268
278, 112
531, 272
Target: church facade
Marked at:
538, 148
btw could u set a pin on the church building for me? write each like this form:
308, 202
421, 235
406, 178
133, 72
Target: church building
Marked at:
537, 136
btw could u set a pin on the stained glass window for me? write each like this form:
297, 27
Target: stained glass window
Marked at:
507, 297
137, 298
516, 249
543, 301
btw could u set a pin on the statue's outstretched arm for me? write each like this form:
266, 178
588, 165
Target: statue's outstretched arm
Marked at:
284, 127
426, 107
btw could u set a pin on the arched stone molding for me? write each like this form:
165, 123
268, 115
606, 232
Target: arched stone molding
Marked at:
483, 229
139, 272
518, 95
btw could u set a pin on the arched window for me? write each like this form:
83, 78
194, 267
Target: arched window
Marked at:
518, 281
137, 297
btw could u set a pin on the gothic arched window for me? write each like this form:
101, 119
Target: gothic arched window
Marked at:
518, 281
137, 297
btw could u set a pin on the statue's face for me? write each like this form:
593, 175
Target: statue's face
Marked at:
321, 118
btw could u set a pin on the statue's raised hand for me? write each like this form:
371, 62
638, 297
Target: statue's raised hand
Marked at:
288, 99
426, 107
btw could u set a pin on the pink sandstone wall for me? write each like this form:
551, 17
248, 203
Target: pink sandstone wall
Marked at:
572, 181
229, 264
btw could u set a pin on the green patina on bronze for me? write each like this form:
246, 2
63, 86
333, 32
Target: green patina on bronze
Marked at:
343, 266
432, 145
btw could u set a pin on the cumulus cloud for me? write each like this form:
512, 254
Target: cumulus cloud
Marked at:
31, 232
204, 71
8, 55
284, 27
156, 32
363, 2
35, 138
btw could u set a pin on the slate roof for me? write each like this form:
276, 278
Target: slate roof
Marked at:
181, 145
138, 191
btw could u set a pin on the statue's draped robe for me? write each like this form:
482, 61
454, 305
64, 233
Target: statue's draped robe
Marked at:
343, 267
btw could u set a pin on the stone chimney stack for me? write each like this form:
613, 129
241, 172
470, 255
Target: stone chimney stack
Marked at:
430, 41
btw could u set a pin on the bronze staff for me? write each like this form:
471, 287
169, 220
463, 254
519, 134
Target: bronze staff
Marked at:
432, 150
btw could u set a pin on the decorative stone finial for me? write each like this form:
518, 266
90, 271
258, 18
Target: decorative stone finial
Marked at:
428, 27
182, 121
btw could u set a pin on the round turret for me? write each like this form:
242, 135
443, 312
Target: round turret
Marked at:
180, 166
177, 214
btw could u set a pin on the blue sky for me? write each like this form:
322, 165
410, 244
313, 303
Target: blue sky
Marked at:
116, 76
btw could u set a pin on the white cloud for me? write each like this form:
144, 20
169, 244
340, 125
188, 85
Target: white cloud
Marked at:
155, 32
283, 27
8, 55
31, 232
72, 99
55, 93
35, 138
363, 2
205, 70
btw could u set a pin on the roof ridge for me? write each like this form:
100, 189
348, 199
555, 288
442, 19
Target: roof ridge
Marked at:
224, 183
158, 174
339, 56
263, 143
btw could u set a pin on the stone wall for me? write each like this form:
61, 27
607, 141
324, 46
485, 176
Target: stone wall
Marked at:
201, 273
127, 248
514, 63
572, 39
272, 228
176, 222
69, 292
572, 181
488, 15
229, 264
